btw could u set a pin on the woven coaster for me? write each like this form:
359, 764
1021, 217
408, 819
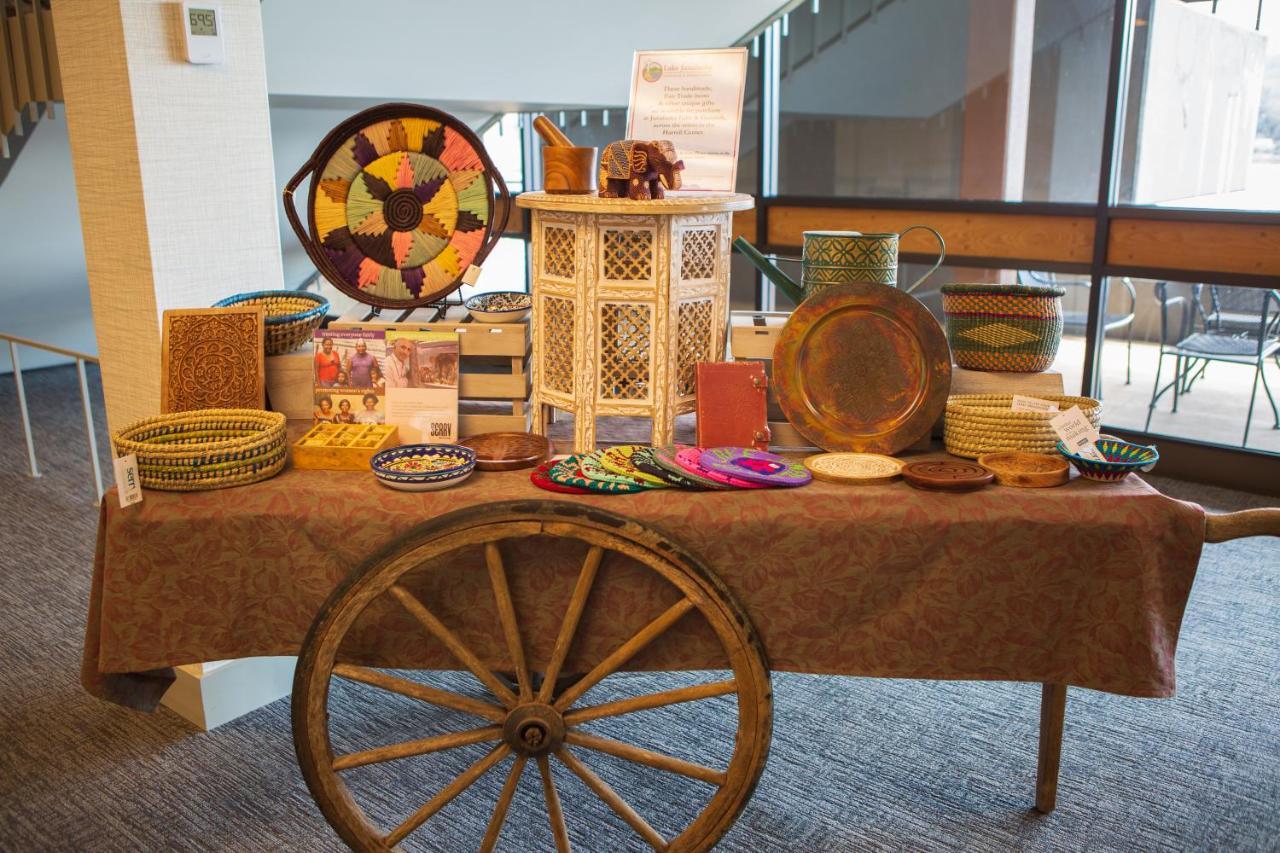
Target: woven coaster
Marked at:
568, 472
539, 477
756, 466
593, 469
621, 460
690, 459
661, 461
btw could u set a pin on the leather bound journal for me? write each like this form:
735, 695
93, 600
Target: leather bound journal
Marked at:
732, 404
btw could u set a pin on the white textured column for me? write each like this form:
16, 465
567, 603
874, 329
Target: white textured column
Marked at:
176, 186
174, 176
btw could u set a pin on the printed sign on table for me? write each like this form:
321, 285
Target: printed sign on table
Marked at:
422, 386
694, 99
349, 383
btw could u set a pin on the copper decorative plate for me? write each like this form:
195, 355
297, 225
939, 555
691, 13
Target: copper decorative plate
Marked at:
862, 367
947, 475
401, 204
507, 451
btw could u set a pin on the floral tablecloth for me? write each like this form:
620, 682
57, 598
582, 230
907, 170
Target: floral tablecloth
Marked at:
1083, 584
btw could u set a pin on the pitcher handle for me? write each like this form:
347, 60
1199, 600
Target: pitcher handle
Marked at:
942, 254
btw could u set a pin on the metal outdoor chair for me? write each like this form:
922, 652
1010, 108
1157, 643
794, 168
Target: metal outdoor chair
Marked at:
1242, 326
1076, 321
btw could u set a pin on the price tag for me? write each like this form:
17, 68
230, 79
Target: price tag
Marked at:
128, 486
1077, 434
472, 275
1023, 403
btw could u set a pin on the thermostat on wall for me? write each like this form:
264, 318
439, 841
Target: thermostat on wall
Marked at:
202, 28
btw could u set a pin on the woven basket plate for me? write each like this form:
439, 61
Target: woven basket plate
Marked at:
401, 204
863, 469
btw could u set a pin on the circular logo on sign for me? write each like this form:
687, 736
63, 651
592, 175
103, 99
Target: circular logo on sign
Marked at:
652, 72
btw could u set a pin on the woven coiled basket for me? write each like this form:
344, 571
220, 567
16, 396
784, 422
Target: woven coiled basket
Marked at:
206, 448
1007, 327
292, 316
985, 423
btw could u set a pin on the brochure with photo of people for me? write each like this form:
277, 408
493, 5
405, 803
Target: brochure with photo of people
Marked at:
348, 381
421, 370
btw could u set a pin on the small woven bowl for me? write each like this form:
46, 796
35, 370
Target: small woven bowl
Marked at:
1122, 458
292, 316
476, 306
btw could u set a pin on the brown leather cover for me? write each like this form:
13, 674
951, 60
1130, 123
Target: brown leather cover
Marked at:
732, 404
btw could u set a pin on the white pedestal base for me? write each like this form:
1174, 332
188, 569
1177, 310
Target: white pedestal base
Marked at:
210, 694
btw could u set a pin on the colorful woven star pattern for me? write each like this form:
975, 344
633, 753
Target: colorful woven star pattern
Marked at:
402, 207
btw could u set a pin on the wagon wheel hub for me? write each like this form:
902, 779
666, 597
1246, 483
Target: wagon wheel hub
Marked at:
534, 729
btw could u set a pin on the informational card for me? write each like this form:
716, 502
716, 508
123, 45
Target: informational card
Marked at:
128, 486
694, 99
422, 385
1077, 434
1022, 403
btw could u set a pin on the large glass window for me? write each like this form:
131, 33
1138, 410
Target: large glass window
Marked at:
944, 99
1204, 360
1202, 124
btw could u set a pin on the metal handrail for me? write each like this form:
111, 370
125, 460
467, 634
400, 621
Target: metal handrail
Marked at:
81, 358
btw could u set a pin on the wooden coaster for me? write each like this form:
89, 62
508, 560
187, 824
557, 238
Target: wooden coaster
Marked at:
1027, 470
508, 451
860, 469
946, 475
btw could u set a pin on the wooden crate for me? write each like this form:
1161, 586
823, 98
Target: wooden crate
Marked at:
494, 379
343, 447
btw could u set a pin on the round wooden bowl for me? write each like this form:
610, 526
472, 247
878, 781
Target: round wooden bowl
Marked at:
1026, 470
508, 451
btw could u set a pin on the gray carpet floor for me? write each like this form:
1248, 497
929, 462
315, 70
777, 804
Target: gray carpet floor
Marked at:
856, 764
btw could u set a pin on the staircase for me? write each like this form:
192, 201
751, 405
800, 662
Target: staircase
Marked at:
29, 79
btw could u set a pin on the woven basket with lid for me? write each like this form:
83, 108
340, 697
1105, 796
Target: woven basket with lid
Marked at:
1011, 327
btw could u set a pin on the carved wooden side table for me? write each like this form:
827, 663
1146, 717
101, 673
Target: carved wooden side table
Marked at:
628, 296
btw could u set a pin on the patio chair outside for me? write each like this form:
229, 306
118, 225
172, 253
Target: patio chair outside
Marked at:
1076, 322
1242, 327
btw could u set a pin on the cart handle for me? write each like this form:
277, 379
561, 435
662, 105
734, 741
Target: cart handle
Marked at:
1237, 525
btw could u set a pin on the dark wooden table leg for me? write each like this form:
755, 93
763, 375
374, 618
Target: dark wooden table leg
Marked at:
1053, 710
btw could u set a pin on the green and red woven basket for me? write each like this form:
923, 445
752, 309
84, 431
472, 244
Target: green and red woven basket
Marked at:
1009, 327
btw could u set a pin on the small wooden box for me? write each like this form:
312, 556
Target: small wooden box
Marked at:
493, 381
343, 447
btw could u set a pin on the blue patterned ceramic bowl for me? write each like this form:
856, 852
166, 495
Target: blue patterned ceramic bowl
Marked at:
1122, 457
423, 467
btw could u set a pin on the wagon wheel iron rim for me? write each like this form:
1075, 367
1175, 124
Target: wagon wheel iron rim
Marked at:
528, 718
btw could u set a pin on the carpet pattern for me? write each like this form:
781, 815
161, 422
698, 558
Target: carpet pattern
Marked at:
856, 764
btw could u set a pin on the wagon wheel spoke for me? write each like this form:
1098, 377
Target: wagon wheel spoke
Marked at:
507, 615
624, 653
647, 757
454, 645
612, 800
408, 749
446, 795
504, 802
414, 690
569, 626
554, 815
650, 700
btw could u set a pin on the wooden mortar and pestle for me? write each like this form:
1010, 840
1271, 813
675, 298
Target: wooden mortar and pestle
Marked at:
567, 169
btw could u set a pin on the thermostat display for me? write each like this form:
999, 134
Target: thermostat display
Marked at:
202, 28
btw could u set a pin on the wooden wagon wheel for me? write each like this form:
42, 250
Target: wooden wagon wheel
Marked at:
532, 718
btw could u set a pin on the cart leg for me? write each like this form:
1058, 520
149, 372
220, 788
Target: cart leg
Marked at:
1053, 710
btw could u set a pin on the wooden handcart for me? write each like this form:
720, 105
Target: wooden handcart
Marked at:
533, 712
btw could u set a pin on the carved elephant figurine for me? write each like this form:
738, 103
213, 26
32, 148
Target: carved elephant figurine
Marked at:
636, 169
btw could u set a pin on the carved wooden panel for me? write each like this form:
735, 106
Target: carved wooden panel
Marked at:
626, 331
213, 359
695, 336
557, 346
628, 255
698, 252
558, 252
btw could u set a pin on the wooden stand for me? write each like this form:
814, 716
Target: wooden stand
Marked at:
494, 379
628, 296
